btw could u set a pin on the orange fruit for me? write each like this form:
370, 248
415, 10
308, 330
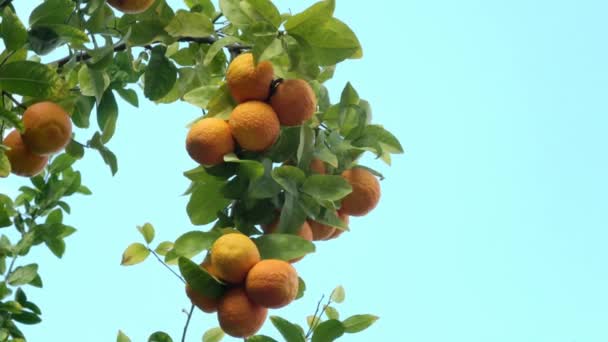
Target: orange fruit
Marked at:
254, 125
321, 231
365, 195
23, 162
272, 283
48, 128
294, 101
318, 166
209, 140
206, 304
337, 231
247, 81
131, 6
232, 256
304, 232
238, 315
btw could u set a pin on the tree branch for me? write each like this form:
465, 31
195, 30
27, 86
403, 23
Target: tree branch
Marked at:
187, 323
10, 96
167, 266
83, 56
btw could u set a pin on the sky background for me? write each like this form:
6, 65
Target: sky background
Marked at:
492, 227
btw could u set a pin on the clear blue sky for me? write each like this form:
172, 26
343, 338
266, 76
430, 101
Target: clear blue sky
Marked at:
493, 226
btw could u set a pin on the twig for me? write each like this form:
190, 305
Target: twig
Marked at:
310, 328
10, 96
83, 56
187, 323
167, 266
217, 17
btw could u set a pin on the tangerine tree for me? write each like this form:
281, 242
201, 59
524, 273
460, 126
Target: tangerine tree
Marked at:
276, 163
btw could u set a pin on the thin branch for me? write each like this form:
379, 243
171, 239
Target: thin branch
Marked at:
187, 323
84, 56
310, 328
167, 266
217, 17
10, 96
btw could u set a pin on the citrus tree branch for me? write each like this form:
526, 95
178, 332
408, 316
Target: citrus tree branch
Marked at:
187, 323
167, 266
123, 46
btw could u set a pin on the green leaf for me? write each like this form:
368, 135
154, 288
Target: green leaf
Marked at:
12, 118
108, 156
213, 335
56, 246
61, 163
194, 242
134, 254
232, 10
51, 12
122, 337
376, 134
328, 331
107, 114
160, 74
262, 10
292, 215
301, 288
128, 95
221, 104
67, 33
349, 96
13, 31
311, 17
200, 96
261, 338
28, 78
306, 147
93, 82
82, 111
357, 323
206, 200
289, 177
163, 248
283, 246
332, 313
160, 336
25, 317
338, 294
190, 24
22, 275
205, 5
326, 188
332, 41
199, 279
217, 46
43, 40
5, 170
291, 332
147, 231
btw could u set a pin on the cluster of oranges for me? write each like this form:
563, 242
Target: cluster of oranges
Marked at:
264, 105
48, 129
254, 285
255, 123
